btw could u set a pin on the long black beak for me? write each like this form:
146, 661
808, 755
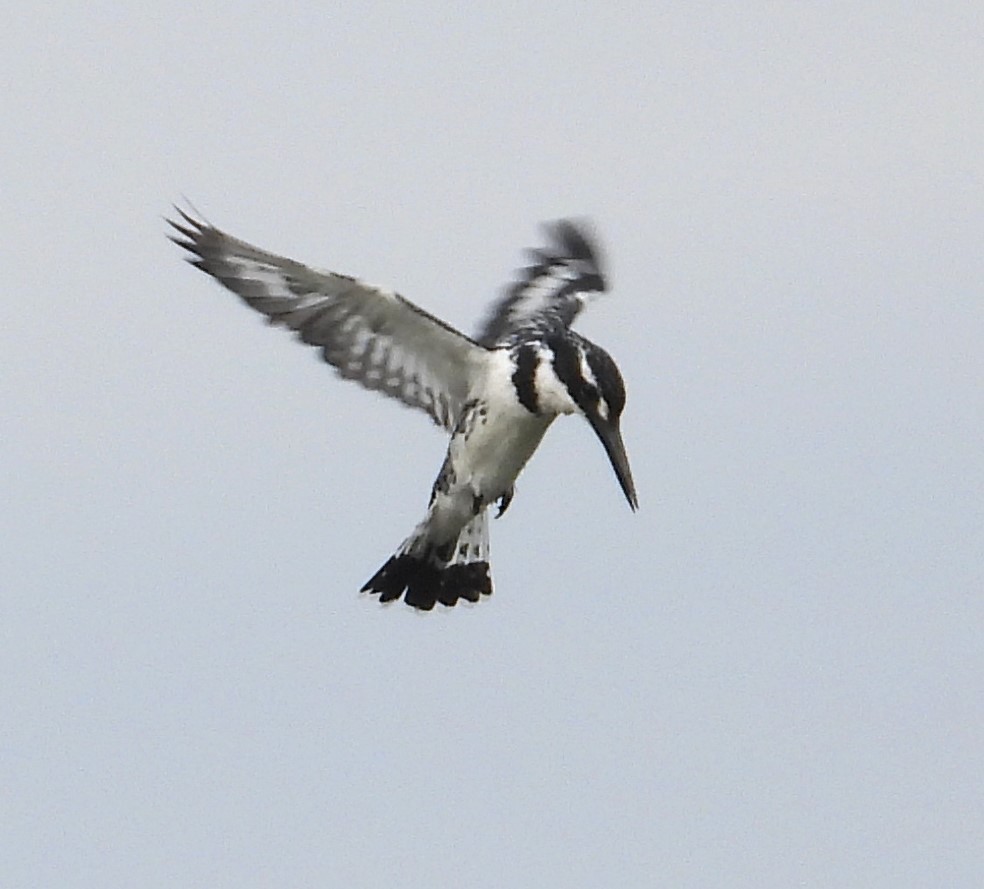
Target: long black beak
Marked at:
611, 438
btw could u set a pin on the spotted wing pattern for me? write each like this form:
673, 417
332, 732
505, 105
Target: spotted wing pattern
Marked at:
552, 290
369, 335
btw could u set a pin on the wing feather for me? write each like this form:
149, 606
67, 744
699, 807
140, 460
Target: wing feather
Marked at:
370, 335
551, 291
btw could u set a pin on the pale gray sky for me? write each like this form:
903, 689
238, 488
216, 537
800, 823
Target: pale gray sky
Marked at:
772, 675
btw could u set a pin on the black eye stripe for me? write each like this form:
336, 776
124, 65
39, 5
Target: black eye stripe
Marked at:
567, 364
607, 383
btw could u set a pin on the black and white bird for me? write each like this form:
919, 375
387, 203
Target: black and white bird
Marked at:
495, 394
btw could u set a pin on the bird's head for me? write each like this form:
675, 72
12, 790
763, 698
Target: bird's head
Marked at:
593, 380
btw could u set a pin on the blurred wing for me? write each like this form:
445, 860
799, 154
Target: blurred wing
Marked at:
552, 291
375, 337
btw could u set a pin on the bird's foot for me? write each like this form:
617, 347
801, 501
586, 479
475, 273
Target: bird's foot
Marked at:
504, 502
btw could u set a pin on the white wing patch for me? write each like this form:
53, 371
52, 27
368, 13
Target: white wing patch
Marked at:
370, 335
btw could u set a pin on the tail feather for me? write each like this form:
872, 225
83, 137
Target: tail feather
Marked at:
428, 575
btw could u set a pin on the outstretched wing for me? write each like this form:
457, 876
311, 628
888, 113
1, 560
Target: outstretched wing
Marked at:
551, 291
372, 336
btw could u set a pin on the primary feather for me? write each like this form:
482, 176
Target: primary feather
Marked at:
370, 335
552, 291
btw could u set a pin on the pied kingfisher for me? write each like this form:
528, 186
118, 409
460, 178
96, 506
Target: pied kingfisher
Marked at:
496, 394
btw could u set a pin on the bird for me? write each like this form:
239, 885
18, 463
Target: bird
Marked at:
495, 393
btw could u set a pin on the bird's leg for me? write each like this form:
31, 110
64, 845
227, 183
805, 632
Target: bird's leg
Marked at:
505, 500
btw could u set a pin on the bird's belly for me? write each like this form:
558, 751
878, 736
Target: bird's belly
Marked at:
496, 450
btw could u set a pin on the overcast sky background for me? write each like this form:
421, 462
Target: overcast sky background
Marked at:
772, 675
